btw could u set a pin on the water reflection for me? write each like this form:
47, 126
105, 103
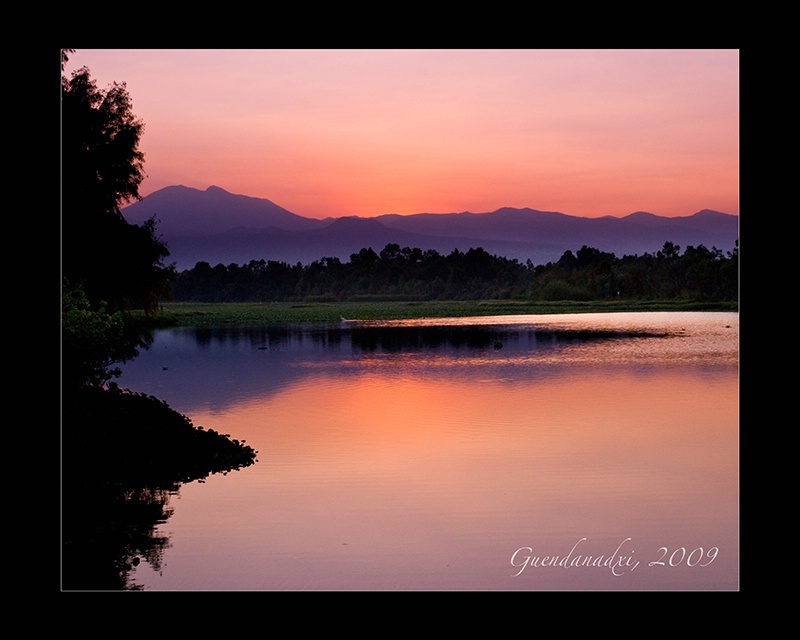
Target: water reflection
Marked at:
395, 336
420, 455
109, 530
217, 366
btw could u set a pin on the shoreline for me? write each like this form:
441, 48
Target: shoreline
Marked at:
222, 313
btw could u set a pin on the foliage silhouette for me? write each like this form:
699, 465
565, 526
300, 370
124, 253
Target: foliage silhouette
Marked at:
115, 262
122, 454
126, 454
109, 267
413, 274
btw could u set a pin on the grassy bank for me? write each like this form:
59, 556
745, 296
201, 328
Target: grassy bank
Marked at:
199, 313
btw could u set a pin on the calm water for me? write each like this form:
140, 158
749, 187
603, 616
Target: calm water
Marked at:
460, 454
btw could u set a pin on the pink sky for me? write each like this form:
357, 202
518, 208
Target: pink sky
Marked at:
367, 132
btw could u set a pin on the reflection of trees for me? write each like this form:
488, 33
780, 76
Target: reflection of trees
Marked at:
267, 336
108, 530
391, 338
124, 454
253, 335
394, 339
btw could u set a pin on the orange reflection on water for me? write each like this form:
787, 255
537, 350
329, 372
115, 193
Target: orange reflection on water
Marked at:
391, 462
454, 468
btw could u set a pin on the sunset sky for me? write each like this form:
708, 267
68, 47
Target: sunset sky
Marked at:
368, 132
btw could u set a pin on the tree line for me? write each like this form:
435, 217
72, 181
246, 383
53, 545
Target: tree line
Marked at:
406, 273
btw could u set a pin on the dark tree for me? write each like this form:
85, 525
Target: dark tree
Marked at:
121, 452
102, 167
109, 266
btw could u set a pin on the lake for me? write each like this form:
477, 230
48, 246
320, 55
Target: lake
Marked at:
585, 452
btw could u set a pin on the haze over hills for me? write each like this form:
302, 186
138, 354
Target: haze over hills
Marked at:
216, 226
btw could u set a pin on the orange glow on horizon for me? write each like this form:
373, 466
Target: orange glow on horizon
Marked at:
329, 133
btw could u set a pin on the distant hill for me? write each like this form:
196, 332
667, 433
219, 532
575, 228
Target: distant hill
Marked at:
183, 210
216, 226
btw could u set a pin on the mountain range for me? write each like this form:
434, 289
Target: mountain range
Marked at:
216, 226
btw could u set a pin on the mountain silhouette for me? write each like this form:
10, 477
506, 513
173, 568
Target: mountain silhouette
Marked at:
186, 211
219, 227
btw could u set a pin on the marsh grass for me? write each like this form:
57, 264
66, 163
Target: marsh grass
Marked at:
245, 313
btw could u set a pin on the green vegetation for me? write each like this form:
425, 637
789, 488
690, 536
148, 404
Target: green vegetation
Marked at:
256, 313
409, 283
